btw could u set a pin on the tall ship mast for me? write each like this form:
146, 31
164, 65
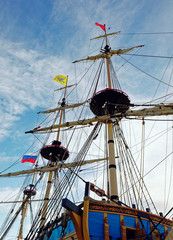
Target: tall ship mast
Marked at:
88, 136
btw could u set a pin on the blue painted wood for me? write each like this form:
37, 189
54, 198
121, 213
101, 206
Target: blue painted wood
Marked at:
129, 221
96, 228
56, 233
114, 226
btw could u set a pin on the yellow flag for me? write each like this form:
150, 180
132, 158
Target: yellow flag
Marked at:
61, 79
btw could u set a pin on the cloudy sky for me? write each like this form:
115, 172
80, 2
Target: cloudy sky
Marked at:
41, 38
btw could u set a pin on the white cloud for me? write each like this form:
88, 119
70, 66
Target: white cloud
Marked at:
26, 77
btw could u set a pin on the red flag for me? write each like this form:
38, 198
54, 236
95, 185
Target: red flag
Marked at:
102, 26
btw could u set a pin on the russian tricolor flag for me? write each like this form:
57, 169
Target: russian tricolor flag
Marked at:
30, 157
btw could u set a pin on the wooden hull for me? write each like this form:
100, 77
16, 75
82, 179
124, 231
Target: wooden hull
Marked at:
100, 220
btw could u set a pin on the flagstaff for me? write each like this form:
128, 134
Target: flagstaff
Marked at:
51, 153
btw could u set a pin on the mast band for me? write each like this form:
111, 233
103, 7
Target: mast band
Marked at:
111, 141
112, 166
113, 197
49, 181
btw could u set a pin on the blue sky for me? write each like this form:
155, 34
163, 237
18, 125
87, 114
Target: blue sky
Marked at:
41, 38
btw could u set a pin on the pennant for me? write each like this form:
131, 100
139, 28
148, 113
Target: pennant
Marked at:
102, 26
61, 79
30, 157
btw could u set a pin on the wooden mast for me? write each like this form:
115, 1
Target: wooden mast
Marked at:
112, 167
20, 236
49, 183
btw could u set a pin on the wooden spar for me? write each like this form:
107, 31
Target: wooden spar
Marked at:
72, 85
33, 200
108, 55
108, 34
52, 168
160, 110
62, 108
71, 124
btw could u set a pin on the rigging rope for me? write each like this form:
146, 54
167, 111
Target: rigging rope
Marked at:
132, 170
142, 157
12, 220
146, 73
114, 79
140, 55
64, 187
170, 181
12, 214
156, 33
